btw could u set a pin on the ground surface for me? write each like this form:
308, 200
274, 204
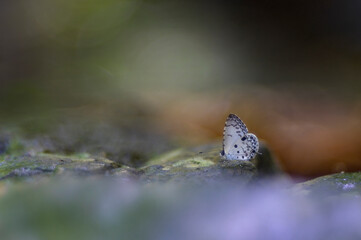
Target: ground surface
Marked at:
48, 190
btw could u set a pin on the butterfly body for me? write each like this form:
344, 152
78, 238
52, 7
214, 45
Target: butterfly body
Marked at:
238, 144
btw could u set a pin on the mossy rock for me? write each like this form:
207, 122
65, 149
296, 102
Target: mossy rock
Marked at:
332, 185
45, 164
200, 164
204, 164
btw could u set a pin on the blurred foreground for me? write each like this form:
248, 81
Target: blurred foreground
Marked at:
111, 209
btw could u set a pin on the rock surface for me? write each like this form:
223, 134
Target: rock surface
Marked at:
332, 185
88, 196
202, 164
46, 164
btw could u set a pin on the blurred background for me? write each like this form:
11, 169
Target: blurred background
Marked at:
153, 75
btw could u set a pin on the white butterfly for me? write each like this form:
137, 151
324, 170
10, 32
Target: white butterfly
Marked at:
238, 144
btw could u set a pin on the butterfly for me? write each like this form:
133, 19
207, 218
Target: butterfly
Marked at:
238, 144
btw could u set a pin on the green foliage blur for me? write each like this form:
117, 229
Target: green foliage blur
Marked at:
58, 54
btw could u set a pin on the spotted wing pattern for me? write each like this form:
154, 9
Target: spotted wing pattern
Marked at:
238, 144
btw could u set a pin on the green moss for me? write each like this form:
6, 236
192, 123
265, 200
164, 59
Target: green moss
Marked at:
337, 178
334, 184
348, 177
45, 163
164, 158
195, 162
83, 155
74, 157
8, 166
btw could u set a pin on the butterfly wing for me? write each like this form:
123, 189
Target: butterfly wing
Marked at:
238, 144
234, 128
252, 146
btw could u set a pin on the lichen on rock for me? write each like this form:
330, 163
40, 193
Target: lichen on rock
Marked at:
331, 185
26, 158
